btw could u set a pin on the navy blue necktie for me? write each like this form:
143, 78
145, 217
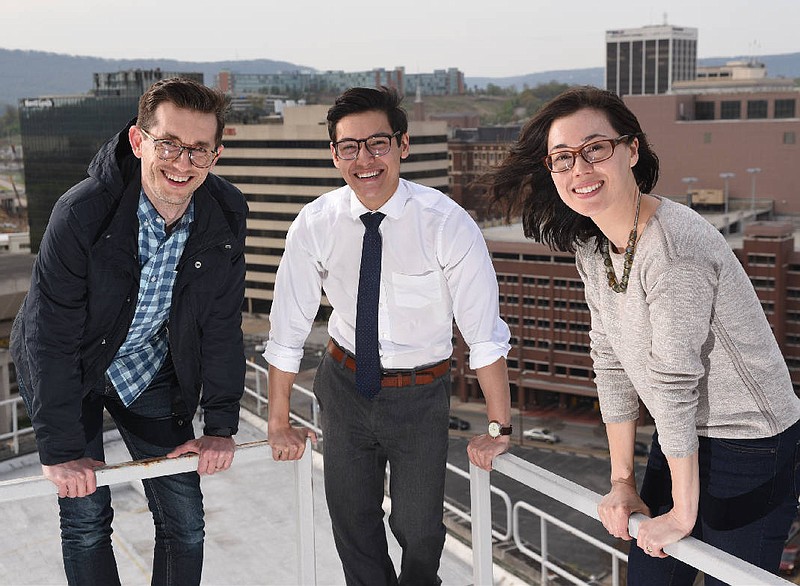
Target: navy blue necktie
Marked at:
368, 359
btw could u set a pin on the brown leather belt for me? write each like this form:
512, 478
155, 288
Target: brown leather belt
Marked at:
394, 378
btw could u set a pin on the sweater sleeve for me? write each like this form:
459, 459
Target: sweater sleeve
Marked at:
680, 303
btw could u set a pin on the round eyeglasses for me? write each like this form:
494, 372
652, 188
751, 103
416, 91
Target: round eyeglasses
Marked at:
377, 145
167, 150
593, 152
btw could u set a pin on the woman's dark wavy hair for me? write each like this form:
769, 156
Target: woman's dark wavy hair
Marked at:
365, 99
522, 185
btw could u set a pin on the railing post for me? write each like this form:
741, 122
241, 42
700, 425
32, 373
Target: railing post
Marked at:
15, 426
306, 560
5, 392
258, 392
480, 497
543, 540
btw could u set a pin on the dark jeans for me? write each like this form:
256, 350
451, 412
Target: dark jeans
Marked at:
748, 499
408, 427
176, 502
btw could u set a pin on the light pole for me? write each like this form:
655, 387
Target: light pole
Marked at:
689, 181
753, 172
725, 177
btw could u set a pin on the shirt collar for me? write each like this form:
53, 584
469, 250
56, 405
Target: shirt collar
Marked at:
147, 213
392, 208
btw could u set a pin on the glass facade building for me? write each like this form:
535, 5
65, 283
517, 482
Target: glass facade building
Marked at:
60, 136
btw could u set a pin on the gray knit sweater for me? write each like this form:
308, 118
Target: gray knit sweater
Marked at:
689, 337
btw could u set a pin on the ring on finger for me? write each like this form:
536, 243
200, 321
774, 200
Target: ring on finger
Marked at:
648, 549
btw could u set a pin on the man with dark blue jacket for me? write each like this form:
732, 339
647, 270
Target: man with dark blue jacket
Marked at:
135, 307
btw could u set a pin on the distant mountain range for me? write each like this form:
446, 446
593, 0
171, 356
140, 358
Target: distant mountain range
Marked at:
26, 74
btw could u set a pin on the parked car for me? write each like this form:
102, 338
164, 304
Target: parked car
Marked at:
789, 559
540, 434
458, 423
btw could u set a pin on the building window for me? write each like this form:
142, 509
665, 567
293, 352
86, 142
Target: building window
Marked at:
704, 111
785, 108
730, 110
789, 137
756, 109
764, 260
763, 282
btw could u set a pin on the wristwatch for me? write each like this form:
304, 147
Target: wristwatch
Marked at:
496, 430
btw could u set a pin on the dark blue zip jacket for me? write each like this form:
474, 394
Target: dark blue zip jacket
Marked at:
83, 296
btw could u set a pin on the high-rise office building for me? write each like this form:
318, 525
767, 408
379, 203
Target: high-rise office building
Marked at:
61, 134
649, 59
282, 166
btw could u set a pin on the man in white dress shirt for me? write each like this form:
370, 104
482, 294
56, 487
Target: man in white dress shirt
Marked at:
434, 266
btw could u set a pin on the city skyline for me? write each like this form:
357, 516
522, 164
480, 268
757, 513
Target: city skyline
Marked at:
510, 38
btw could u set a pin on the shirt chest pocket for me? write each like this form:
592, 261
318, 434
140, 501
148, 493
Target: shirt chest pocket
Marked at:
416, 290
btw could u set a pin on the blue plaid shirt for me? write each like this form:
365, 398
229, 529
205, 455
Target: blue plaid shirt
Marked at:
142, 354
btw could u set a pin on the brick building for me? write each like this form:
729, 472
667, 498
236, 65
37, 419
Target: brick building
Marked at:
542, 300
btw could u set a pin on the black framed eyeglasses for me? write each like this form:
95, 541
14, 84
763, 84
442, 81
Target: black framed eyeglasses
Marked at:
593, 152
168, 150
377, 145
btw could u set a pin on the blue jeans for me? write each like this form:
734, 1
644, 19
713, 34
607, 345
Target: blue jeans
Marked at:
408, 427
748, 499
175, 502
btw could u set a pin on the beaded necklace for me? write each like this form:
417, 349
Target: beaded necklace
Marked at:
622, 285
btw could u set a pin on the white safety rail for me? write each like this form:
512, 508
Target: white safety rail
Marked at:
702, 556
696, 553
37, 486
15, 432
259, 393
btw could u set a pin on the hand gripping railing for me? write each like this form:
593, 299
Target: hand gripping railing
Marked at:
21, 488
702, 556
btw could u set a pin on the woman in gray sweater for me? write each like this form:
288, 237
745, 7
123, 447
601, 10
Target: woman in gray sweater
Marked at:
676, 325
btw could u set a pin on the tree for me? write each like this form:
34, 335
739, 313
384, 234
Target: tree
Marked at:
9, 122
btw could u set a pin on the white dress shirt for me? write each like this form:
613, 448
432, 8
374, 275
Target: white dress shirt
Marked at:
435, 267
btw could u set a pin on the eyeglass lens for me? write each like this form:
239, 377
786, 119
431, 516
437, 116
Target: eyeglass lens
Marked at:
376, 145
169, 151
592, 153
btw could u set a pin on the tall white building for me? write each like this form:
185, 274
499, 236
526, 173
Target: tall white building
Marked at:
649, 59
284, 165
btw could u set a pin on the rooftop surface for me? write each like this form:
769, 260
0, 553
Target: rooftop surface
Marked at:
250, 527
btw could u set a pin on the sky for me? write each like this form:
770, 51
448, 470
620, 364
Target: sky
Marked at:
482, 38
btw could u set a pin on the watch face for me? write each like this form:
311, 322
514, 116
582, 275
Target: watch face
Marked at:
494, 429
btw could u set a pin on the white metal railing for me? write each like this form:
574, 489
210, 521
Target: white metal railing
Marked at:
260, 395
702, 556
696, 553
15, 432
22, 488
546, 519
